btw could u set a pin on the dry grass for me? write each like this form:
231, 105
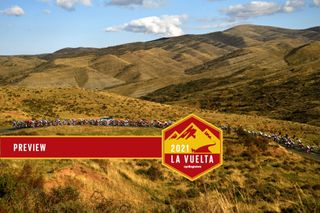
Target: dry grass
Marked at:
23, 103
140, 68
281, 85
257, 175
256, 182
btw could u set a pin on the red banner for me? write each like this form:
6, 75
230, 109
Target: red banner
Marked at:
80, 147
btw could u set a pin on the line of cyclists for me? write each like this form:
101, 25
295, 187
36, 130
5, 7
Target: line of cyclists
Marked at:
94, 122
284, 140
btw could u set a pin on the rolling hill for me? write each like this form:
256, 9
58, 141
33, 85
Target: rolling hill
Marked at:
18, 103
257, 175
248, 69
255, 82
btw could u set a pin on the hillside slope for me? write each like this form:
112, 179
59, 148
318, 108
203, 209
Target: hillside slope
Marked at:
245, 69
254, 178
66, 103
284, 87
257, 175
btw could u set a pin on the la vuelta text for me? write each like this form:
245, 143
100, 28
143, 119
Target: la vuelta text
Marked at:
25, 147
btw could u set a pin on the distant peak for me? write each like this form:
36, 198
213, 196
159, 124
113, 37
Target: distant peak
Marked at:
316, 29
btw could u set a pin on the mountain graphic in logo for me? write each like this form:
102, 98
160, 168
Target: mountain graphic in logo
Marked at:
199, 141
189, 132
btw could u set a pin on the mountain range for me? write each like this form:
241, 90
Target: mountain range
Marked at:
258, 70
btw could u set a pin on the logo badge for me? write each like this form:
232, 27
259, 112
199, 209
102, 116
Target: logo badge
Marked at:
192, 147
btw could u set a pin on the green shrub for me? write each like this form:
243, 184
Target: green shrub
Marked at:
192, 193
8, 186
142, 163
60, 194
184, 206
110, 205
14, 194
69, 207
153, 173
267, 192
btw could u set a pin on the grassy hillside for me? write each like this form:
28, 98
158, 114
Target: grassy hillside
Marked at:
228, 71
256, 82
22, 103
257, 175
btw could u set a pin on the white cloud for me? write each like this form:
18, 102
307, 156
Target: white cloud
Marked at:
262, 8
316, 3
252, 9
13, 11
160, 25
135, 3
217, 23
292, 5
70, 4
47, 12
221, 25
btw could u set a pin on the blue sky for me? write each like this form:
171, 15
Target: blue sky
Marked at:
43, 26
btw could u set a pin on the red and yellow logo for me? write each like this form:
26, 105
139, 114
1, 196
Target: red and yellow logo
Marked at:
192, 147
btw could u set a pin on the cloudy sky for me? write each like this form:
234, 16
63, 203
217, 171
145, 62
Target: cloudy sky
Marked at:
42, 26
